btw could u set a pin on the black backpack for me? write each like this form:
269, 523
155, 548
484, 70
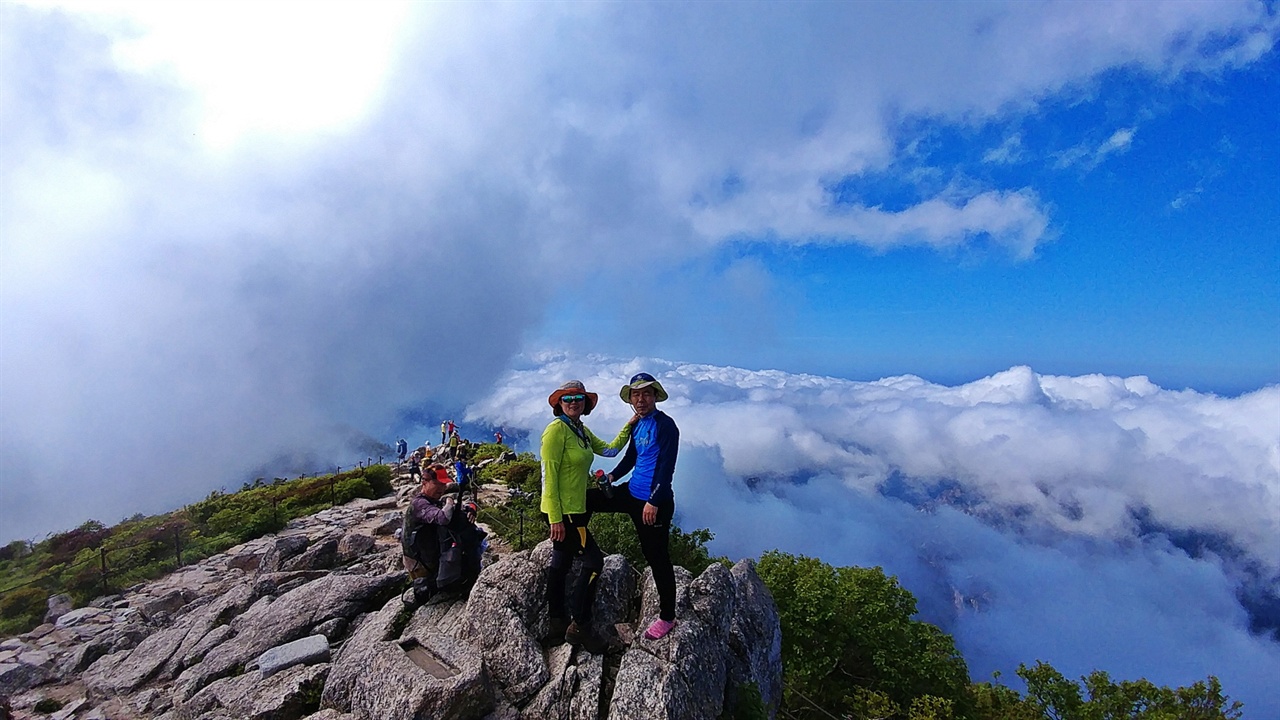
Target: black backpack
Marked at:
450, 553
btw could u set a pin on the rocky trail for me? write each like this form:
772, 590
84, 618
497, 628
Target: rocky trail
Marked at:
309, 623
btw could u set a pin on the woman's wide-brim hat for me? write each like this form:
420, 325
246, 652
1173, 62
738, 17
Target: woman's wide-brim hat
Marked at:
642, 380
573, 387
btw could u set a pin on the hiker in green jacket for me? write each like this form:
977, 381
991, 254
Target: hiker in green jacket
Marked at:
568, 448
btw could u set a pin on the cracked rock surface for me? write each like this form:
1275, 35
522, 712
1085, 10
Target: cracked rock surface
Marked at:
205, 641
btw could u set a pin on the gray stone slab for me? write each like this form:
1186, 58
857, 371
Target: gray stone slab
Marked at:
305, 651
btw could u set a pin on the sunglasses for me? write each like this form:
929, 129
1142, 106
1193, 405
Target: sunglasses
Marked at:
572, 398
641, 377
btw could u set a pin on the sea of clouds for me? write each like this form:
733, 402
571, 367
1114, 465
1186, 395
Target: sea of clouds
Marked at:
1090, 522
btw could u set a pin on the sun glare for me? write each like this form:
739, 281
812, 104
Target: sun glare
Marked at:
288, 69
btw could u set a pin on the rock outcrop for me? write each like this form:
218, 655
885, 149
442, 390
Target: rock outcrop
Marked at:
311, 624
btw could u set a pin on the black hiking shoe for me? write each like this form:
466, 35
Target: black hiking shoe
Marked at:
558, 626
585, 639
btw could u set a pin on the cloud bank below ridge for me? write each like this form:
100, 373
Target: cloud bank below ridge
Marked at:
1092, 522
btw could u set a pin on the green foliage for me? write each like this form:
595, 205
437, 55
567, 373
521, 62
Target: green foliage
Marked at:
615, 533
48, 706
928, 707
746, 704
484, 451
851, 647
689, 550
142, 548
378, 477
524, 473
62, 547
992, 701
518, 522
351, 488
22, 609
1097, 697
14, 550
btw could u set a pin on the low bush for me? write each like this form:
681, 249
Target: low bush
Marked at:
379, 479
351, 488
484, 451
22, 609
518, 522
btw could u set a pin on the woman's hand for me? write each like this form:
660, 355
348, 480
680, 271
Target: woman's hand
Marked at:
557, 531
650, 514
634, 419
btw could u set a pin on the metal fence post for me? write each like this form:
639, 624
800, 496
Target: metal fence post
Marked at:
102, 555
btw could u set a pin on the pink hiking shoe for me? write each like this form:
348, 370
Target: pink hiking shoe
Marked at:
659, 629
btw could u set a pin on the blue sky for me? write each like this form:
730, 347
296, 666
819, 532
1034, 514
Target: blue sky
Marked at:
1164, 259
1025, 248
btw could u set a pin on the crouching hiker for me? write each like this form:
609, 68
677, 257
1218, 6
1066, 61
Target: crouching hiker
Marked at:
442, 545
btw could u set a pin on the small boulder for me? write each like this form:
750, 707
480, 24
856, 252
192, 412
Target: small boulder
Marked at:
58, 605
305, 651
353, 545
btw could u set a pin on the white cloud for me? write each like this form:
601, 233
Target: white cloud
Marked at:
1016, 221
1052, 505
1008, 152
262, 300
1088, 156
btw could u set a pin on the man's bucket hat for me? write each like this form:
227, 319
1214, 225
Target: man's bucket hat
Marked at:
573, 387
642, 380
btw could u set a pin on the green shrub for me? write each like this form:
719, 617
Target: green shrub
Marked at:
48, 706
518, 522
746, 705
351, 488
1052, 695
616, 534
525, 473
24, 607
852, 648
379, 479
484, 451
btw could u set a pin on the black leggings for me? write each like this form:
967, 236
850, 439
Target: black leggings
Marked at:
577, 542
654, 539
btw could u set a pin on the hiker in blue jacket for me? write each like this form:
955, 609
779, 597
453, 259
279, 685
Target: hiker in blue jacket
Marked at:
647, 497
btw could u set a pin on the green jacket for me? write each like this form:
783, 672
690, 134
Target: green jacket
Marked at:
566, 466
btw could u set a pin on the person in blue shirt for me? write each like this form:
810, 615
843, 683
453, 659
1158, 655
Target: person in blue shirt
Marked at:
462, 472
647, 497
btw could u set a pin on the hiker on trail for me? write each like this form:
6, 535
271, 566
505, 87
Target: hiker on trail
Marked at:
444, 431
402, 449
647, 496
453, 444
463, 472
436, 470
568, 448
497, 437
440, 541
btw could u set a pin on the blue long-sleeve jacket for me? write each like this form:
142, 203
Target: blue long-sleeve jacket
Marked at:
664, 466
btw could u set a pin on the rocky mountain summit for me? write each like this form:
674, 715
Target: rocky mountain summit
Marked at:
310, 623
